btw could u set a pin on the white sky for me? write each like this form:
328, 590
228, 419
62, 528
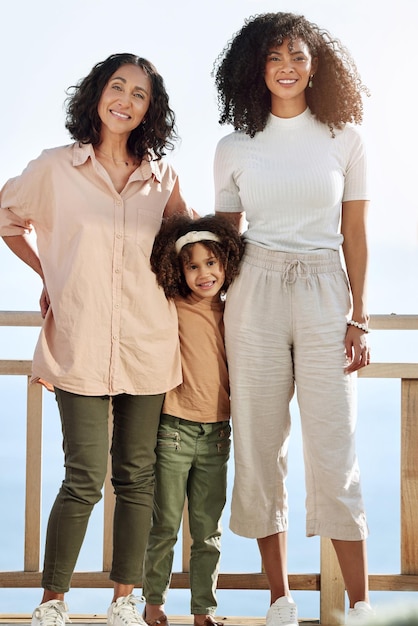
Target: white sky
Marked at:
48, 45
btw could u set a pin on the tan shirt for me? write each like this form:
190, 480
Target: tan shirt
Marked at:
203, 395
109, 328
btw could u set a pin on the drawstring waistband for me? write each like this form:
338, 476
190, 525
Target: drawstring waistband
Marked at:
293, 269
293, 265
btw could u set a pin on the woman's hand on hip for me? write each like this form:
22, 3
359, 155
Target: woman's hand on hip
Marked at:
44, 301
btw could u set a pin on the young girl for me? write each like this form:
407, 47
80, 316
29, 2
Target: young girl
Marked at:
195, 262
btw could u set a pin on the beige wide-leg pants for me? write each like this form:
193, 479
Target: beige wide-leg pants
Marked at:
285, 322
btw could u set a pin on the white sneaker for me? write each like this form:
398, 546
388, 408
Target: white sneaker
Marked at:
283, 612
51, 613
123, 612
360, 614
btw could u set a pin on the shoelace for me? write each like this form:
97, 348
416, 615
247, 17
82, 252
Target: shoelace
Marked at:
126, 609
361, 611
51, 615
285, 614
359, 616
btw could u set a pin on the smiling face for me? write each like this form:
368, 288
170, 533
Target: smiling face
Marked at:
203, 272
287, 73
124, 100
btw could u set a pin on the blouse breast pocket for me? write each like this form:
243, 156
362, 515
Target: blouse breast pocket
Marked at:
148, 223
149, 208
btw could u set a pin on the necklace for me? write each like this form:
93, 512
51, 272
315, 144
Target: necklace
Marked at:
111, 158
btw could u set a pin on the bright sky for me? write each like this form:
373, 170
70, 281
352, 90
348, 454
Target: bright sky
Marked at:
46, 46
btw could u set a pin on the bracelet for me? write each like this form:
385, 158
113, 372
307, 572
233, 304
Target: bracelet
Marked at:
362, 327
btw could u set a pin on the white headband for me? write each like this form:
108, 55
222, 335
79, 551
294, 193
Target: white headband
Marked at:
194, 236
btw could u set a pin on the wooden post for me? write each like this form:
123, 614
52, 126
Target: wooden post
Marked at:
409, 476
33, 478
332, 598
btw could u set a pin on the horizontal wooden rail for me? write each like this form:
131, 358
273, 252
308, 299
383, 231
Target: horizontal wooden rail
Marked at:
242, 581
389, 370
328, 581
391, 321
15, 368
20, 318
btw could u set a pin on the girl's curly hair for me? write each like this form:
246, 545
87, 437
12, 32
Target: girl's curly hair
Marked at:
167, 264
153, 136
243, 98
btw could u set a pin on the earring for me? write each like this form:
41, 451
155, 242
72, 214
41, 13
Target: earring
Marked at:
310, 84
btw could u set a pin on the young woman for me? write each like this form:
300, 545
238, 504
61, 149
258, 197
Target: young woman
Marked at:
110, 337
295, 169
195, 262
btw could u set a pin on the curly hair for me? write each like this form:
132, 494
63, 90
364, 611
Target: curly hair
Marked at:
243, 97
152, 137
167, 264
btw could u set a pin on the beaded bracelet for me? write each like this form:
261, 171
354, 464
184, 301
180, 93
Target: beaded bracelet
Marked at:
362, 327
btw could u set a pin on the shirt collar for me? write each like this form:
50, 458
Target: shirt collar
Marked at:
147, 168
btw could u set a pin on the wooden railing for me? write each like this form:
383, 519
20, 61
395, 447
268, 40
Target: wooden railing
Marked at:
327, 581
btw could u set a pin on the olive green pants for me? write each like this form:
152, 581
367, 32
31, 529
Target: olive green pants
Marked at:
191, 460
85, 429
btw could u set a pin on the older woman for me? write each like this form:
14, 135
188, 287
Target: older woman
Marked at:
109, 336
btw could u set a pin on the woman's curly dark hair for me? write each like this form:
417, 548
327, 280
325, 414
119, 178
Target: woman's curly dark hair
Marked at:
243, 98
167, 264
153, 136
